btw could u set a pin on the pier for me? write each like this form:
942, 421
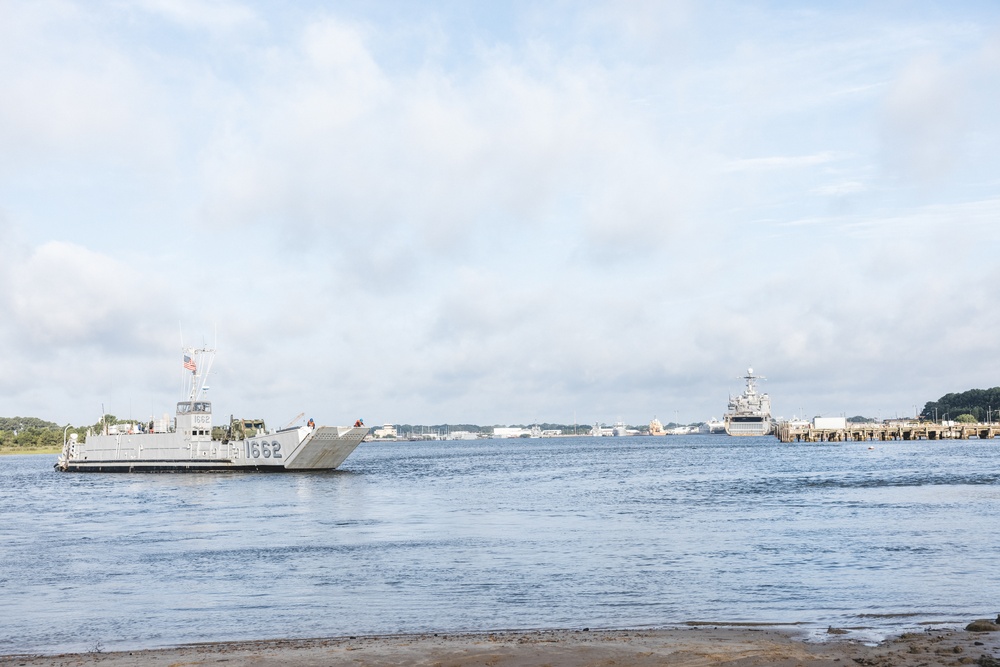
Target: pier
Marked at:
788, 432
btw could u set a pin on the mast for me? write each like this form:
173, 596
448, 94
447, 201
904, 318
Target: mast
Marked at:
197, 365
751, 379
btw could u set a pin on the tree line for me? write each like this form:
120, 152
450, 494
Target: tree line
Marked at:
979, 405
33, 433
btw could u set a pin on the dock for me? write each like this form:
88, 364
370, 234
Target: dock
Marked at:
788, 432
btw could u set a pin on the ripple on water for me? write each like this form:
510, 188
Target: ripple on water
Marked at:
409, 537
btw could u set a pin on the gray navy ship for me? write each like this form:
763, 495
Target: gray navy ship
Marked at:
188, 445
750, 412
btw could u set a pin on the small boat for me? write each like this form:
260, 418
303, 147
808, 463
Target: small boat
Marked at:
188, 444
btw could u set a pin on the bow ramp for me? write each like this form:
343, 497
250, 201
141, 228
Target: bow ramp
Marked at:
325, 448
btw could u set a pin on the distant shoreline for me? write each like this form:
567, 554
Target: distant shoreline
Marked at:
29, 450
700, 645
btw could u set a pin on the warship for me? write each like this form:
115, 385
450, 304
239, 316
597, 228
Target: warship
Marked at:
187, 443
750, 412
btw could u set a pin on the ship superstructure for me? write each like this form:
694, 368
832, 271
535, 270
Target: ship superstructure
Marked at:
188, 444
750, 412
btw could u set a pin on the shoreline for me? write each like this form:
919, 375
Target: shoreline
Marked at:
694, 645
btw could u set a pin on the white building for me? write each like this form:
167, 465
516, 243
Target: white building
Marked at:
510, 432
829, 422
462, 435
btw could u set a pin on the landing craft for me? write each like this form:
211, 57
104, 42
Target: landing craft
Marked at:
188, 445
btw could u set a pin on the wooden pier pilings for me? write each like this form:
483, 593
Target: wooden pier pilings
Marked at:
787, 432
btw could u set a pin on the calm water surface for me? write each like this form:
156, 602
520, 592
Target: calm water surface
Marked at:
491, 534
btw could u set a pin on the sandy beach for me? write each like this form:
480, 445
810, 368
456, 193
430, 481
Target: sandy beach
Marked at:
699, 645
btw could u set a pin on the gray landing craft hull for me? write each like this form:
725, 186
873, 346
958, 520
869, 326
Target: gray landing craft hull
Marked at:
293, 450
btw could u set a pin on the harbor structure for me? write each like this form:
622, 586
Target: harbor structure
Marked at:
821, 430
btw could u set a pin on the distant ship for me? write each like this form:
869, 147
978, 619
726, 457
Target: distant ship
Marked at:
189, 444
714, 425
750, 412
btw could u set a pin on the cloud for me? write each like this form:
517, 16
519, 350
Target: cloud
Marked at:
780, 162
80, 98
924, 123
494, 215
841, 189
331, 142
213, 15
65, 295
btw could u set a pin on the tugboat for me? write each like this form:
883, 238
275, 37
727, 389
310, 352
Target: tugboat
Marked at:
188, 445
750, 412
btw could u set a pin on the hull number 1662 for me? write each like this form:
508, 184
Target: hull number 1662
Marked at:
255, 450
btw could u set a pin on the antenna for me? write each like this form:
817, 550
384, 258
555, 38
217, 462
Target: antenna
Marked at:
199, 362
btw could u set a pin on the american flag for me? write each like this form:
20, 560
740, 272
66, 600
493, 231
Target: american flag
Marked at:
189, 364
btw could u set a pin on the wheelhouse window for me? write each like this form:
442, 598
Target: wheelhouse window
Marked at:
188, 407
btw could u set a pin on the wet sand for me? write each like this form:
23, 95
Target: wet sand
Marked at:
697, 646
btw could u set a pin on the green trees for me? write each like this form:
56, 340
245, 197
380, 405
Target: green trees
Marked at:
24, 423
981, 404
31, 433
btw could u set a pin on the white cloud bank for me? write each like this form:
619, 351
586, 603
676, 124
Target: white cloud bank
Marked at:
496, 218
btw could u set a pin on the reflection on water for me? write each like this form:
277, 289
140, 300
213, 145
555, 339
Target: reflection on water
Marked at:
610, 532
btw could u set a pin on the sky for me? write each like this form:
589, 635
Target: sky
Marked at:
497, 213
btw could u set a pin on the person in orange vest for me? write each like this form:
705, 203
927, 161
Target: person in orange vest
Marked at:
360, 422
311, 423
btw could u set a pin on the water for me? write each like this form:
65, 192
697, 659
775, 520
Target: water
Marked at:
475, 535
